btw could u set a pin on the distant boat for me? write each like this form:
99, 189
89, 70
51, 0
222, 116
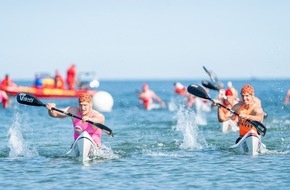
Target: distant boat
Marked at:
47, 90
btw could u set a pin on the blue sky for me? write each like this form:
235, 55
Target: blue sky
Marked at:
146, 39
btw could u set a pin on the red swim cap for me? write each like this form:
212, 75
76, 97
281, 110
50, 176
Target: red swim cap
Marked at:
229, 92
85, 97
247, 89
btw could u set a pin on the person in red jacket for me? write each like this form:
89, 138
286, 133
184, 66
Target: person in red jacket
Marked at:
58, 81
71, 75
7, 81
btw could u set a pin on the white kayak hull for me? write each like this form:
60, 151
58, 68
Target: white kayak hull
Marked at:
250, 144
84, 148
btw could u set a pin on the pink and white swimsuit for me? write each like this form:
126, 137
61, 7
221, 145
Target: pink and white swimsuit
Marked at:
80, 126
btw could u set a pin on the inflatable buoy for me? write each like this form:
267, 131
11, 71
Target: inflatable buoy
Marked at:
103, 101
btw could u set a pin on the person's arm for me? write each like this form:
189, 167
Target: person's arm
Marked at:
54, 113
223, 114
157, 98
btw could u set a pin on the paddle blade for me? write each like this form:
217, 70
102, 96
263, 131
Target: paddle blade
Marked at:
28, 99
259, 126
198, 91
212, 75
210, 85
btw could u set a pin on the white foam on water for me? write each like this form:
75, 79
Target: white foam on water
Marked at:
106, 153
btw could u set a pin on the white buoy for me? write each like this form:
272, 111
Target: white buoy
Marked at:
103, 101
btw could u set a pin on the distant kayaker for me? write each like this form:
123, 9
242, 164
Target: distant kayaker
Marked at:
233, 90
86, 112
249, 109
71, 77
229, 101
147, 96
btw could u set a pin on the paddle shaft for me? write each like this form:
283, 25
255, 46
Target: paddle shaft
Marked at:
99, 125
31, 100
232, 111
75, 116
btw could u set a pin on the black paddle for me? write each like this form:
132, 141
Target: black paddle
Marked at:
212, 75
29, 99
210, 85
199, 91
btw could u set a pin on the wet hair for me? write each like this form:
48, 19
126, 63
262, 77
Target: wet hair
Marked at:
85, 97
247, 89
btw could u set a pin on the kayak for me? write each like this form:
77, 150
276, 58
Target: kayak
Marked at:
250, 144
45, 92
229, 126
84, 148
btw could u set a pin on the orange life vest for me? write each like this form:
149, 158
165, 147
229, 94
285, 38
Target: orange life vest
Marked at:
243, 124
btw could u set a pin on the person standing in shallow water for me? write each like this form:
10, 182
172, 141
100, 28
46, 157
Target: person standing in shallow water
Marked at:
86, 112
147, 96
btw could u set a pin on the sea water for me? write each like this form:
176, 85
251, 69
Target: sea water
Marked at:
167, 148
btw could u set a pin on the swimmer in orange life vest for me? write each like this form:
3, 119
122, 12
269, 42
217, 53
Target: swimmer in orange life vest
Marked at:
147, 96
248, 109
86, 112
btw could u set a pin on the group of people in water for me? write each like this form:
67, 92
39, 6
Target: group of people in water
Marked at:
147, 96
248, 108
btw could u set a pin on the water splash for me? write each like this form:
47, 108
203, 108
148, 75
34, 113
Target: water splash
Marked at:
106, 153
17, 144
186, 123
201, 111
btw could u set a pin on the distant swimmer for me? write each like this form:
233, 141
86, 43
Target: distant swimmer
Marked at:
180, 89
148, 96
